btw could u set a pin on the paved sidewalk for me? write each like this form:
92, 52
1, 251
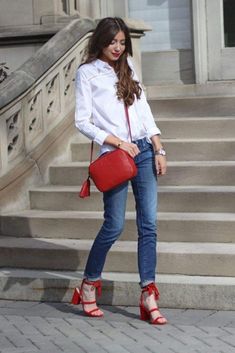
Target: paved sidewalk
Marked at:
56, 328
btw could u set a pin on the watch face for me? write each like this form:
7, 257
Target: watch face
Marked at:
161, 152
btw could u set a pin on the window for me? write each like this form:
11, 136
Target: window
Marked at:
170, 21
229, 23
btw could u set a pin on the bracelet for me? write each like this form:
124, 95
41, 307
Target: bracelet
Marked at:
119, 144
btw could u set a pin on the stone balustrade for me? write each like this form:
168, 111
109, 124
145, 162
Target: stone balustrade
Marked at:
37, 100
40, 94
27, 119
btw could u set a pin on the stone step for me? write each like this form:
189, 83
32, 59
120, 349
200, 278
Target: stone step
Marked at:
197, 259
185, 149
197, 127
193, 106
200, 149
172, 227
179, 173
174, 90
171, 199
176, 291
199, 173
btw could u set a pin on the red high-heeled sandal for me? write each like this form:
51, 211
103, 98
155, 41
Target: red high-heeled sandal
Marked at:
77, 298
145, 313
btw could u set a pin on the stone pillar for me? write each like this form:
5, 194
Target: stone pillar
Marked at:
89, 8
200, 40
47, 10
102, 8
106, 8
137, 28
13, 14
70, 7
120, 8
34, 12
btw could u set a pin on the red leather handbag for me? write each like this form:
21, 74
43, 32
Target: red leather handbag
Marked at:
110, 169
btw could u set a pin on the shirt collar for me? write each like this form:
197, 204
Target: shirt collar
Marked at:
102, 65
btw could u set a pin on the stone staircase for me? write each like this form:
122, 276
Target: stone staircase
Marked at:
43, 250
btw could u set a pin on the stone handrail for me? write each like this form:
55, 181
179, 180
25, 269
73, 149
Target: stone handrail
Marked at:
40, 93
38, 98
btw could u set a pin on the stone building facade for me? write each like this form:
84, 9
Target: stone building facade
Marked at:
191, 41
186, 62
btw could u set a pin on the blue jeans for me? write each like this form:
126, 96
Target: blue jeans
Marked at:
144, 187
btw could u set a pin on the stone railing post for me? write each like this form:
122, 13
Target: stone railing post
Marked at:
137, 29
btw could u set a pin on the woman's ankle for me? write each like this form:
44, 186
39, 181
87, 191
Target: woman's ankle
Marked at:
151, 288
88, 292
90, 287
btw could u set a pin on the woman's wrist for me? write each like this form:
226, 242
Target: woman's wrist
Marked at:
156, 142
113, 141
120, 142
160, 152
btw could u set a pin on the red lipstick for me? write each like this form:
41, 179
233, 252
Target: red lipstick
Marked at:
116, 55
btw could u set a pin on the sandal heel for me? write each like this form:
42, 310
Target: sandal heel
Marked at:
76, 299
144, 315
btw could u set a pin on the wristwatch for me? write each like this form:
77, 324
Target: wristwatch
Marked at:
160, 152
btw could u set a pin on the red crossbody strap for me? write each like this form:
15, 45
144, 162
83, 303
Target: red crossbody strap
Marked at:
92, 147
129, 126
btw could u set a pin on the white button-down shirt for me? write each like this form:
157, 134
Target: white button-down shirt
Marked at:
99, 113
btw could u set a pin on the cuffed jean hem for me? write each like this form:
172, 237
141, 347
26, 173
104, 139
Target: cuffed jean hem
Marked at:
91, 279
146, 283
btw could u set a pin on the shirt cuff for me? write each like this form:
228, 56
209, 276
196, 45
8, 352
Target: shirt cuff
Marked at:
100, 137
154, 131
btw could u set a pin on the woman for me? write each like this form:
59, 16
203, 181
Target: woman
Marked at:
105, 83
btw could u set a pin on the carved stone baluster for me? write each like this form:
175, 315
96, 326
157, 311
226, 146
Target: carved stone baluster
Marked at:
14, 135
34, 121
69, 77
52, 100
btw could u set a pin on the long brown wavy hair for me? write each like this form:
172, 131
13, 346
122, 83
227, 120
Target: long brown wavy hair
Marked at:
127, 88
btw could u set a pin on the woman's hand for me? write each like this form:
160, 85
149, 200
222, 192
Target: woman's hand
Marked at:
160, 162
131, 148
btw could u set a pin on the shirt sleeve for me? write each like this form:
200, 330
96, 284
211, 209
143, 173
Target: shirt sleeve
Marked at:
83, 110
145, 111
